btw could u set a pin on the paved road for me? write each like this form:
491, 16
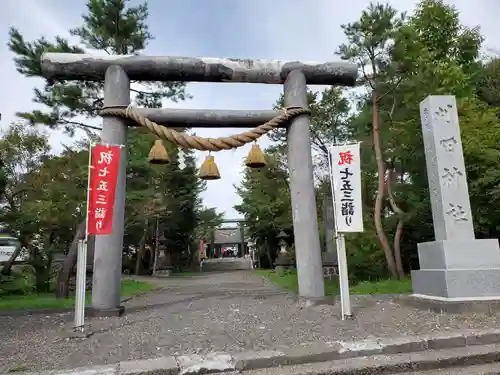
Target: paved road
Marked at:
211, 312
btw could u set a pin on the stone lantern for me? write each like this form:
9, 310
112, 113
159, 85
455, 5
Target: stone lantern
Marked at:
283, 260
164, 268
251, 250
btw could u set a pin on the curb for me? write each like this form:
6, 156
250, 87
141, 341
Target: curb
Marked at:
310, 353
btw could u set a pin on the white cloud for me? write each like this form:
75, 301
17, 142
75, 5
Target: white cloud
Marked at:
278, 29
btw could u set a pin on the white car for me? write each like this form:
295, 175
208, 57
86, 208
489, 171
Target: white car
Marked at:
7, 246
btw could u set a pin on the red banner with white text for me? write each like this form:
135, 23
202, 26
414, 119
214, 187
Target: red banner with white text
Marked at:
104, 166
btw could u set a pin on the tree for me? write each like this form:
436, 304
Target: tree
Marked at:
3, 179
403, 60
489, 82
22, 150
329, 119
109, 26
430, 61
207, 220
368, 43
112, 27
265, 196
45, 197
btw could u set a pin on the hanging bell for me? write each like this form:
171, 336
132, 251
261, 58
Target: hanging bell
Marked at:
209, 170
256, 157
158, 154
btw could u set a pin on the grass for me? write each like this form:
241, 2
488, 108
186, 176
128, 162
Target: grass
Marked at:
289, 282
48, 300
184, 274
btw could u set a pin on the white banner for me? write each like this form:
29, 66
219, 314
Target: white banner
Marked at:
345, 176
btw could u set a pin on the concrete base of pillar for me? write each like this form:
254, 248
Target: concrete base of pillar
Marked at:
101, 313
452, 305
316, 301
458, 270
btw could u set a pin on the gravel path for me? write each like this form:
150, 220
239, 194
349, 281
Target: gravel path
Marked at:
211, 312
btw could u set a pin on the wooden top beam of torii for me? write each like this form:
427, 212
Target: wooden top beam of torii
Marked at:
86, 67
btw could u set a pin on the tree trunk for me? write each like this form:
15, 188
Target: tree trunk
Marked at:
397, 248
62, 287
379, 200
142, 248
268, 253
401, 222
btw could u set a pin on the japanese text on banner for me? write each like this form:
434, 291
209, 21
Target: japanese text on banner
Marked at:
345, 170
103, 176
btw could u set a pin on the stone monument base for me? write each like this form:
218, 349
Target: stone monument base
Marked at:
458, 269
450, 305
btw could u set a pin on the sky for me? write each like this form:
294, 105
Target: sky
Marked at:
259, 29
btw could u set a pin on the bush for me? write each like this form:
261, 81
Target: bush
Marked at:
15, 283
23, 280
365, 257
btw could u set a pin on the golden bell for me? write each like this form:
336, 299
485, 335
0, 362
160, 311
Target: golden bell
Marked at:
209, 170
158, 154
255, 157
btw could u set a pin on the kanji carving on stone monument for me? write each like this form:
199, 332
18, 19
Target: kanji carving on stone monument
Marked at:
451, 175
457, 212
425, 117
448, 143
443, 113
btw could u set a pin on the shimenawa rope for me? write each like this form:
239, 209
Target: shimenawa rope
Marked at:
185, 140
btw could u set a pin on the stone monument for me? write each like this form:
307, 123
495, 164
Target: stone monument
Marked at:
456, 266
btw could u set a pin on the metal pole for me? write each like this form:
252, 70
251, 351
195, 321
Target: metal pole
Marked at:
345, 299
109, 248
305, 218
81, 270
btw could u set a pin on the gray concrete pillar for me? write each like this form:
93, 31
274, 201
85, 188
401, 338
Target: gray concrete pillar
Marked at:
305, 220
108, 248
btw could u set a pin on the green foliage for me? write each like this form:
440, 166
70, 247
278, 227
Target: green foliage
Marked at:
3, 179
288, 281
109, 26
403, 59
489, 83
27, 300
45, 193
14, 285
266, 198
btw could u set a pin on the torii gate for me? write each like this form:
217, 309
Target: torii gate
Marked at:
117, 71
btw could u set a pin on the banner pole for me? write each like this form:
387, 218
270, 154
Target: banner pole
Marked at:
81, 263
345, 301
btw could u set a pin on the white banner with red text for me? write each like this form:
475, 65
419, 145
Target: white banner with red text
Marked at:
345, 176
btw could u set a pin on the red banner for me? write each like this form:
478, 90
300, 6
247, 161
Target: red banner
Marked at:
202, 249
103, 175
